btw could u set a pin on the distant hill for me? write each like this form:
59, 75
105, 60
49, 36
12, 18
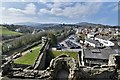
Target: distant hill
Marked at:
84, 23
28, 23
91, 24
55, 25
37, 25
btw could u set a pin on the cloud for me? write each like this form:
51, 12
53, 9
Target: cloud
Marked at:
2, 9
45, 1
59, 4
13, 15
14, 19
44, 10
14, 12
57, 12
113, 6
61, 1
30, 9
78, 10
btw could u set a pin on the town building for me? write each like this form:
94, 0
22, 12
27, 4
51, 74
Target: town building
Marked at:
94, 57
93, 43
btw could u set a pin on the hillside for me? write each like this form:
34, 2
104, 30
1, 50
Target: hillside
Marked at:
6, 32
90, 24
37, 25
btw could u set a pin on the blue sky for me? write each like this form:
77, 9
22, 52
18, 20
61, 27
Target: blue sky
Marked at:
60, 12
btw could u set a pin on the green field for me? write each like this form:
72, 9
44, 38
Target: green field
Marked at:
5, 31
71, 54
30, 57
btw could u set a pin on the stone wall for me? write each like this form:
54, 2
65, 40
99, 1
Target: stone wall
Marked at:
23, 66
41, 59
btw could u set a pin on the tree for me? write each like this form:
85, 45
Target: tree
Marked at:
53, 39
82, 37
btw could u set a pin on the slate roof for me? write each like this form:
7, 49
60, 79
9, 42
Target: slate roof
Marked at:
103, 37
98, 53
92, 41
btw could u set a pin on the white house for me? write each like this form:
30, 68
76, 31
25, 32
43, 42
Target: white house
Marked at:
90, 35
92, 42
105, 42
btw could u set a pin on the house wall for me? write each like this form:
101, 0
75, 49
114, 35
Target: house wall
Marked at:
91, 44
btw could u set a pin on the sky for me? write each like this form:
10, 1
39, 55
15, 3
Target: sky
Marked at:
43, 11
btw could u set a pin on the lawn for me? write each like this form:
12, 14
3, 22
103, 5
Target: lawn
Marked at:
5, 31
30, 57
71, 54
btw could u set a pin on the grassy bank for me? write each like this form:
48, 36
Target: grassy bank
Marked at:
29, 57
57, 53
5, 31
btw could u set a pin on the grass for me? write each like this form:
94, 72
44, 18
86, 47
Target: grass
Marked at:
57, 53
5, 31
30, 57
